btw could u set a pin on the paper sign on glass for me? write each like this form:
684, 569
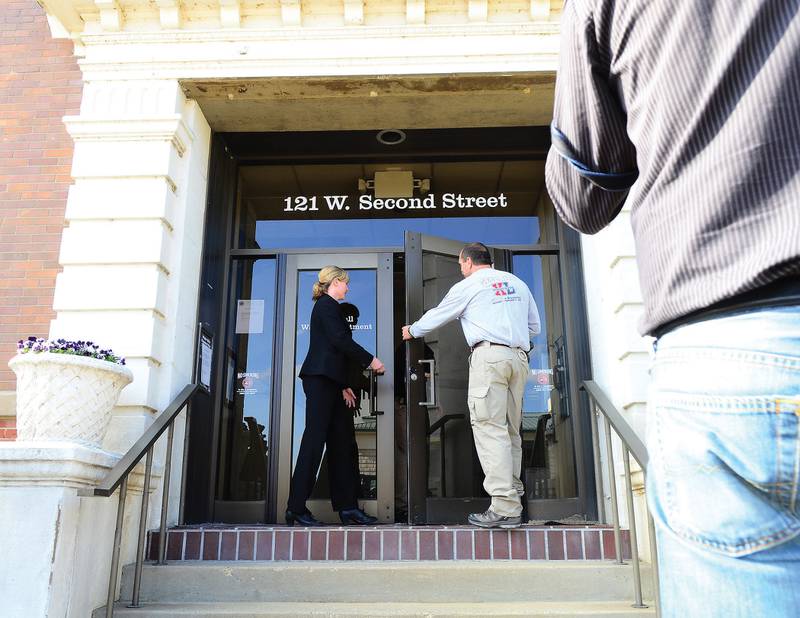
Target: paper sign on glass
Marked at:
206, 352
249, 317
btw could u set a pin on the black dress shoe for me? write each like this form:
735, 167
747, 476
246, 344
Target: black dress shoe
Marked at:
356, 517
301, 519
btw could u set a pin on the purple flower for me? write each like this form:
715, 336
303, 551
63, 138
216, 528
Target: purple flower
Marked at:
62, 346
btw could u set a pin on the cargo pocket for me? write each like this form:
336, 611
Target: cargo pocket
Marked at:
477, 402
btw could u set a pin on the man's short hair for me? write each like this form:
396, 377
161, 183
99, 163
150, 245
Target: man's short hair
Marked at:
478, 253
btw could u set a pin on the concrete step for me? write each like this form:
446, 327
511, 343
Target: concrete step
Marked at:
381, 610
382, 582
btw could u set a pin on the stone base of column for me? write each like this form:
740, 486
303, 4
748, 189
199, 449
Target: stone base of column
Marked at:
56, 546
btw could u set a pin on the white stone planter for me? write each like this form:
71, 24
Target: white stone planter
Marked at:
66, 397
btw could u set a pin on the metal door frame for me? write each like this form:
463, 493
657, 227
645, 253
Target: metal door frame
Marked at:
383, 265
421, 508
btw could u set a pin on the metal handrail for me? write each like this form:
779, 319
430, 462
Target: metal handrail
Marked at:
117, 477
631, 445
441, 425
618, 422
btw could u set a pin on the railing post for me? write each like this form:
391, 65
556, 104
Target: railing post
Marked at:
598, 471
112, 579
184, 464
637, 576
162, 533
613, 489
137, 577
654, 559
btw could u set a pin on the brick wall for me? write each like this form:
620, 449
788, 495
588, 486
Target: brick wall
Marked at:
39, 83
7, 429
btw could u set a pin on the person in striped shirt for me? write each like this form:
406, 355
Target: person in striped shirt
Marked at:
688, 116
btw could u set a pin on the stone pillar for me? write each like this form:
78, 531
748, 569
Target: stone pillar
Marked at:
131, 258
60, 552
620, 356
131, 254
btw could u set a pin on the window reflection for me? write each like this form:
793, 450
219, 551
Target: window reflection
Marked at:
362, 295
548, 450
244, 436
389, 232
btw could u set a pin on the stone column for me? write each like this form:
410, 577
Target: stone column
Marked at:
131, 254
59, 553
131, 258
620, 356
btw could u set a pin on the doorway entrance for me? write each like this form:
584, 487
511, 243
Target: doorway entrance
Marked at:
369, 312
275, 220
445, 475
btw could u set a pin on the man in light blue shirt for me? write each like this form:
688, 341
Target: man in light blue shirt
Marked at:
498, 316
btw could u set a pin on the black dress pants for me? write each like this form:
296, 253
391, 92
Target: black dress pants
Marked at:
328, 421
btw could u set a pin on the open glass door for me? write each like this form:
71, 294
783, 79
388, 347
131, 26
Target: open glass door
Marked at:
372, 294
445, 475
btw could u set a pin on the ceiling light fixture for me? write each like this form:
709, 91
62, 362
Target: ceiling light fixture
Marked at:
391, 137
394, 182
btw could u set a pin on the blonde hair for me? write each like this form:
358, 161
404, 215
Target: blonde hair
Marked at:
327, 276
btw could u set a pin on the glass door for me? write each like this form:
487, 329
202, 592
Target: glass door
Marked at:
244, 459
445, 475
368, 309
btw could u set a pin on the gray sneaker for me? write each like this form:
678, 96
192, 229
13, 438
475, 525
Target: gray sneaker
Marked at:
490, 519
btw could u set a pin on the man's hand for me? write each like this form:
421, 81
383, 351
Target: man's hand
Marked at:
349, 397
407, 336
377, 366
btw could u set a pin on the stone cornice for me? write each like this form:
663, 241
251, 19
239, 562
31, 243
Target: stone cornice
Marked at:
81, 16
60, 464
478, 47
266, 35
172, 129
316, 67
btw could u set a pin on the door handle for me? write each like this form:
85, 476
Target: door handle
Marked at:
432, 370
373, 394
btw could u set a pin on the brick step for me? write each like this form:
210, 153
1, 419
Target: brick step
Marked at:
385, 582
386, 610
388, 543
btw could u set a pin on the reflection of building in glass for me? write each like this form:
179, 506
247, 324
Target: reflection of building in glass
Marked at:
253, 472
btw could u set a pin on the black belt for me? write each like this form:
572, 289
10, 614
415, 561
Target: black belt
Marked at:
491, 343
777, 294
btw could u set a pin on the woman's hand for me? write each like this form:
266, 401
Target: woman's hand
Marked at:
377, 366
349, 397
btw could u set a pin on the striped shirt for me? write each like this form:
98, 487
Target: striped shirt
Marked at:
689, 112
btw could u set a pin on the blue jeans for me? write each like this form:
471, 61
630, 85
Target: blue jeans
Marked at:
722, 484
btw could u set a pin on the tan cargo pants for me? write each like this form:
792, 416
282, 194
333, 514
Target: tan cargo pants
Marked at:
497, 376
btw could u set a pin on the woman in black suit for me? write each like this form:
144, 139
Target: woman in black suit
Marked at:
324, 376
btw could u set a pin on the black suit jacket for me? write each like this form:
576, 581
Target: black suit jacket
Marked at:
331, 344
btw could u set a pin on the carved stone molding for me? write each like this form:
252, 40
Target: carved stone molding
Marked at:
478, 10
415, 11
170, 14
172, 129
62, 464
354, 12
291, 13
80, 17
111, 16
230, 13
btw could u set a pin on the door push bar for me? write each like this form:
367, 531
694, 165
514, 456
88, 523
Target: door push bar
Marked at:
373, 394
432, 371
